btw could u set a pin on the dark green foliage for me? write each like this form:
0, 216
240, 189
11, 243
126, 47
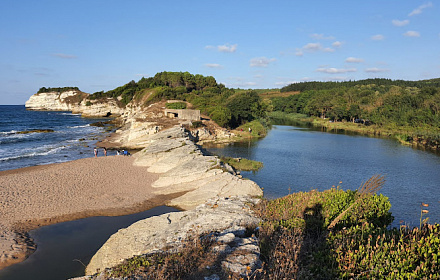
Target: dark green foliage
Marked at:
413, 106
223, 105
244, 107
176, 105
169, 85
304, 86
58, 89
221, 115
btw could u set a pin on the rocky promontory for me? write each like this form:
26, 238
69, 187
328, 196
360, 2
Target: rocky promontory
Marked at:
74, 101
215, 199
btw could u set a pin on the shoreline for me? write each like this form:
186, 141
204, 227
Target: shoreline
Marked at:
36, 196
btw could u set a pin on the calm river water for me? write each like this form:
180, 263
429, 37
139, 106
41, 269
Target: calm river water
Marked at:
301, 159
64, 248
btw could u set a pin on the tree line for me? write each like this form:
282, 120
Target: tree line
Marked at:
408, 106
57, 89
314, 85
225, 106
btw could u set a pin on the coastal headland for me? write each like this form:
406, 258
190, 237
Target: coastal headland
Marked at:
169, 170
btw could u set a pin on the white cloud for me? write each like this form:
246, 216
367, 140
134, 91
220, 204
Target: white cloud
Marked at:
399, 23
312, 47
376, 70
354, 60
419, 9
227, 48
335, 70
261, 61
337, 44
213, 65
411, 34
316, 47
223, 48
65, 56
321, 37
377, 37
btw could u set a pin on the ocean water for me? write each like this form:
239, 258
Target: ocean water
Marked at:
73, 137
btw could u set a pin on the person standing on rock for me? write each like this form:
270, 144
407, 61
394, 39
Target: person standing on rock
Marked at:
95, 150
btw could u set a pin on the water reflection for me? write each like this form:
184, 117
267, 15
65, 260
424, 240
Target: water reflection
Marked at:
64, 248
302, 159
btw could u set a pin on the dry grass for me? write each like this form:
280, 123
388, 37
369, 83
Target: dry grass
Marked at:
272, 94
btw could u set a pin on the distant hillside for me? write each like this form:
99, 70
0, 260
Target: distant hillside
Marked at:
303, 86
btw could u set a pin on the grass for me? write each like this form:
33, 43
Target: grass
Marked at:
242, 164
257, 130
296, 242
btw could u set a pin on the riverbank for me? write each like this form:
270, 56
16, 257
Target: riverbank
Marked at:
42, 195
416, 137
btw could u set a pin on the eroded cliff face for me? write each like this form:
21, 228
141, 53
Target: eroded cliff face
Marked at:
55, 101
75, 101
138, 121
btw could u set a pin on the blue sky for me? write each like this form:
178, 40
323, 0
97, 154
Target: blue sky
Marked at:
102, 44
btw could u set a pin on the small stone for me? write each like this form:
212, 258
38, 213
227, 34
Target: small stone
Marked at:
226, 238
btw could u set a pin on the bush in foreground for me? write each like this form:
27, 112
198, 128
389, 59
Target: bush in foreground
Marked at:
298, 241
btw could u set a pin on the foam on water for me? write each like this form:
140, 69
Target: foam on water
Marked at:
73, 137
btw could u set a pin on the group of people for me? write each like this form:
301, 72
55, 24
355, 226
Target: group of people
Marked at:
118, 152
123, 152
95, 150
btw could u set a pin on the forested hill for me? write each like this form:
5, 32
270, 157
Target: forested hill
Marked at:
303, 86
406, 109
225, 106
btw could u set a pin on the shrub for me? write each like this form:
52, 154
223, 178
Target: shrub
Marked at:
176, 105
221, 115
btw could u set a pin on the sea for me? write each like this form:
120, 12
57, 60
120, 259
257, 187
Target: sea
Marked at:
73, 137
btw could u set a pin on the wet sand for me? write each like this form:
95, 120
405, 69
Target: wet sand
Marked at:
41, 195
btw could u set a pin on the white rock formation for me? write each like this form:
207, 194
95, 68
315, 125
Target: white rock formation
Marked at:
54, 101
168, 230
74, 101
184, 168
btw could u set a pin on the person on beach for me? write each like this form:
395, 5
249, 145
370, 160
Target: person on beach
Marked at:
105, 151
95, 150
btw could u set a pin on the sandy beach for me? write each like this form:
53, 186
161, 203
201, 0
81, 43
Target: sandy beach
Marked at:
47, 194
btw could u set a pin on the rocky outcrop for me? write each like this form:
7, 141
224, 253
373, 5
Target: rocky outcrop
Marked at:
184, 168
216, 201
108, 107
228, 218
55, 101
74, 101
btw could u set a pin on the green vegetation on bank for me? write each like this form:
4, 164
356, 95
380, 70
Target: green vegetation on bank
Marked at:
176, 105
57, 89
333, 234
242, 164
407, 110
297, 244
